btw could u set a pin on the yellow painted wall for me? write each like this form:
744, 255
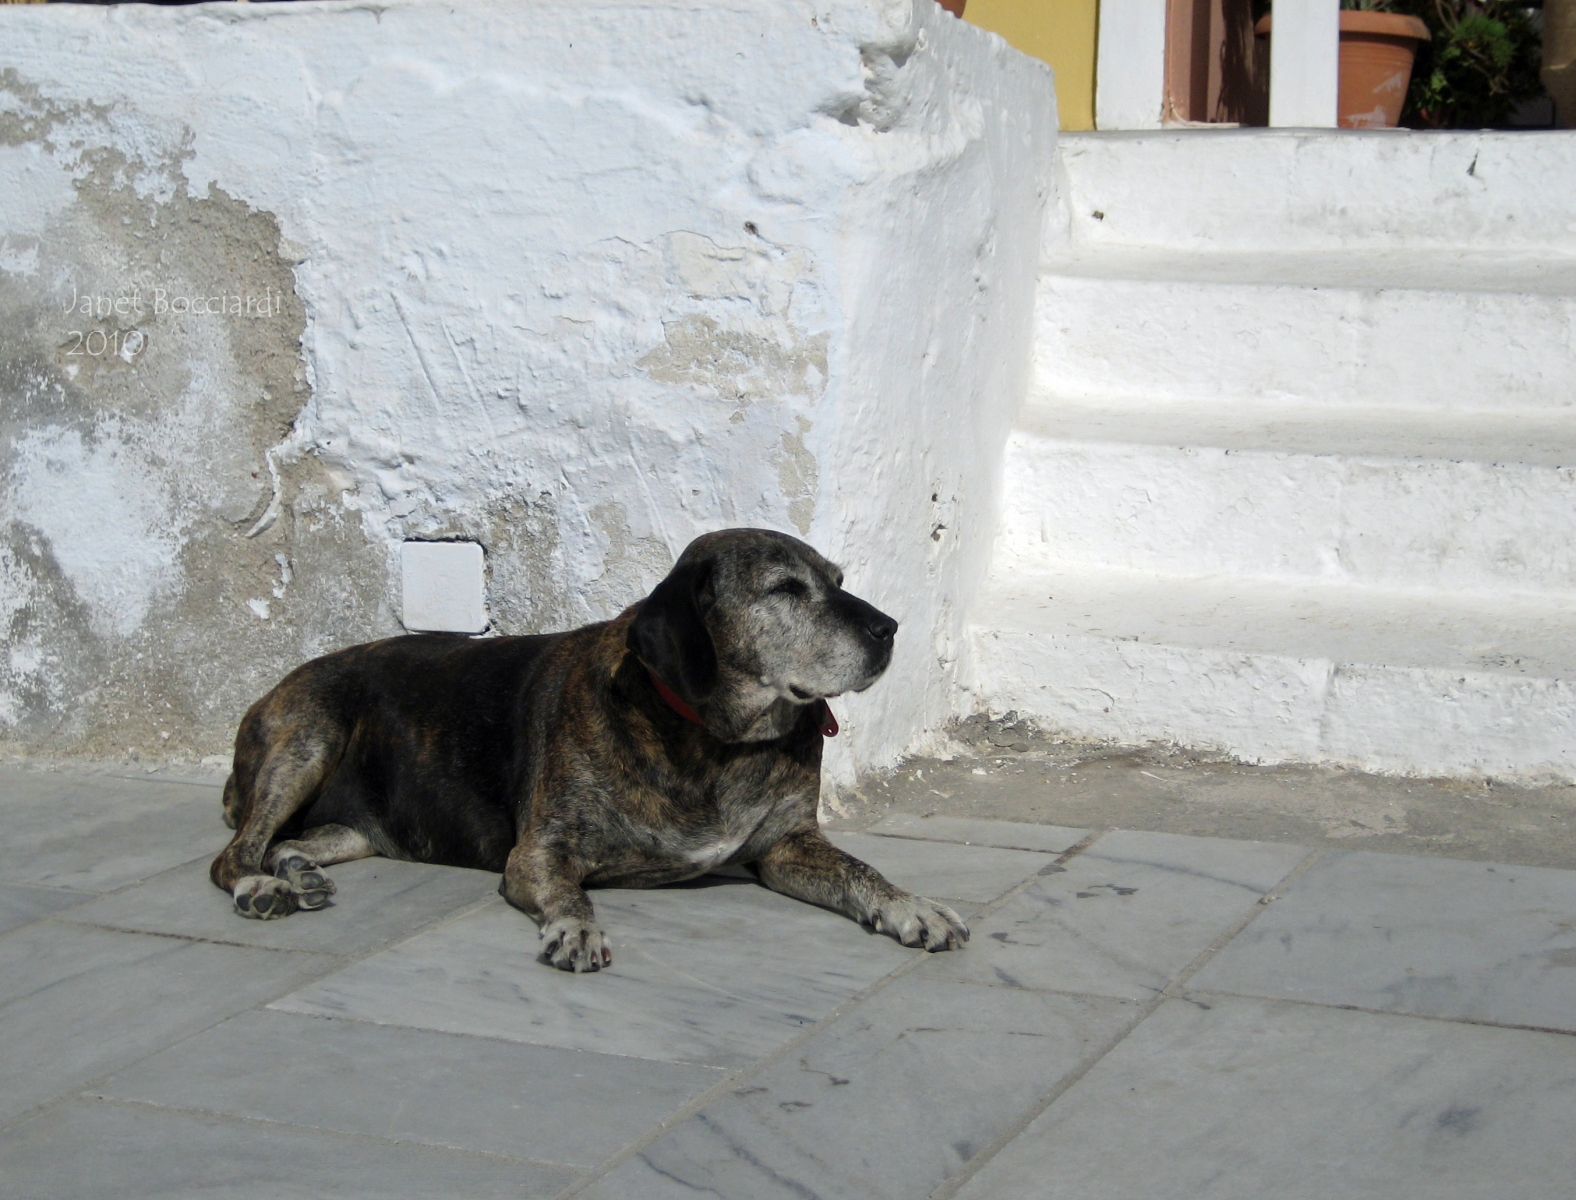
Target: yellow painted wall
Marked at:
1060, 32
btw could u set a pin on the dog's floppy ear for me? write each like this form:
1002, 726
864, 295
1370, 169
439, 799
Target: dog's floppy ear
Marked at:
669, 635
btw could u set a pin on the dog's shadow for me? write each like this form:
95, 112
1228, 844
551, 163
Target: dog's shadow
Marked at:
723, 877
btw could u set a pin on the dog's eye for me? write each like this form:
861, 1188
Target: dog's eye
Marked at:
791, 587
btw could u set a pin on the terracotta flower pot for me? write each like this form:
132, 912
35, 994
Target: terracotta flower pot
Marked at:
955, 7
1377, 49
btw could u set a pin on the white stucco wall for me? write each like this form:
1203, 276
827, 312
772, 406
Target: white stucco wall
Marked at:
578, 281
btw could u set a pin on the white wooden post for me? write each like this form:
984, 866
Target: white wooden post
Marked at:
1305, 38
1130, 66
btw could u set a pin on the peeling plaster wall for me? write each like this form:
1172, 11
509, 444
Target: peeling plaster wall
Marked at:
576, 281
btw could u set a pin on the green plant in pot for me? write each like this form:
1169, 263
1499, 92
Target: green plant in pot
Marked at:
1480, 65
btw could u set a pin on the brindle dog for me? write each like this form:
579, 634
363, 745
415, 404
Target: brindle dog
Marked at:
681, 736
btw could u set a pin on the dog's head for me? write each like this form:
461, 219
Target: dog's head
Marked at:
751, 625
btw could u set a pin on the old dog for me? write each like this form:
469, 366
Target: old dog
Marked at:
682, 736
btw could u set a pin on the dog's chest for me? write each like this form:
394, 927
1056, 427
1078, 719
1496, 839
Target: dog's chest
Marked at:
714, 853
739, 835
692, 831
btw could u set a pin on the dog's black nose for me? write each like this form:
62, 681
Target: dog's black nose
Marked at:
875, 624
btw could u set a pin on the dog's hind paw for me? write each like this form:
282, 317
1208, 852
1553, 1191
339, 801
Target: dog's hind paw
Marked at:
264, 898
575, 945
296, 884
306, 879
915, 921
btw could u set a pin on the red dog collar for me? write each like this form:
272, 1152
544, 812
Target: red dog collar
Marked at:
674, 702
827, 723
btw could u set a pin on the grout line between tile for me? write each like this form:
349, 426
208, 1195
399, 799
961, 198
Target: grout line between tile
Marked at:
1075, 849
182, 780
1173, 990
52, 887
734, 1078
1046, 991
62, 919
912, 837
1480, 1022
206, 856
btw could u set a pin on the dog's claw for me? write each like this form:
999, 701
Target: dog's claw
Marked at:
916, 921
573, 945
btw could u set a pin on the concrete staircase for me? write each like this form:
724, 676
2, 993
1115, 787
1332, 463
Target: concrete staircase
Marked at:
1297, 479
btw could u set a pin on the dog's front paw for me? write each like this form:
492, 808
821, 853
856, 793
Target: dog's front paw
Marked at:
915, 921
575, 945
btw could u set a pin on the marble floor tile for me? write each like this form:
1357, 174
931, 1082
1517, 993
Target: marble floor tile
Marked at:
378, 899
1123, 917
1249, 1099
20, 903
86, 1149
76, 1002
442, 1089
717, 974
95, 833
943, 871
968, 831
886, 1103
1431, 936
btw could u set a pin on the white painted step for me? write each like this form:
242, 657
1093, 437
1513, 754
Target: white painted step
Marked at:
1399, 497
1435, 329
1382, 680
1284, 190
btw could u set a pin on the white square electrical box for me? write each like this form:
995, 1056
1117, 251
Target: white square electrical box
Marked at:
443, 587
